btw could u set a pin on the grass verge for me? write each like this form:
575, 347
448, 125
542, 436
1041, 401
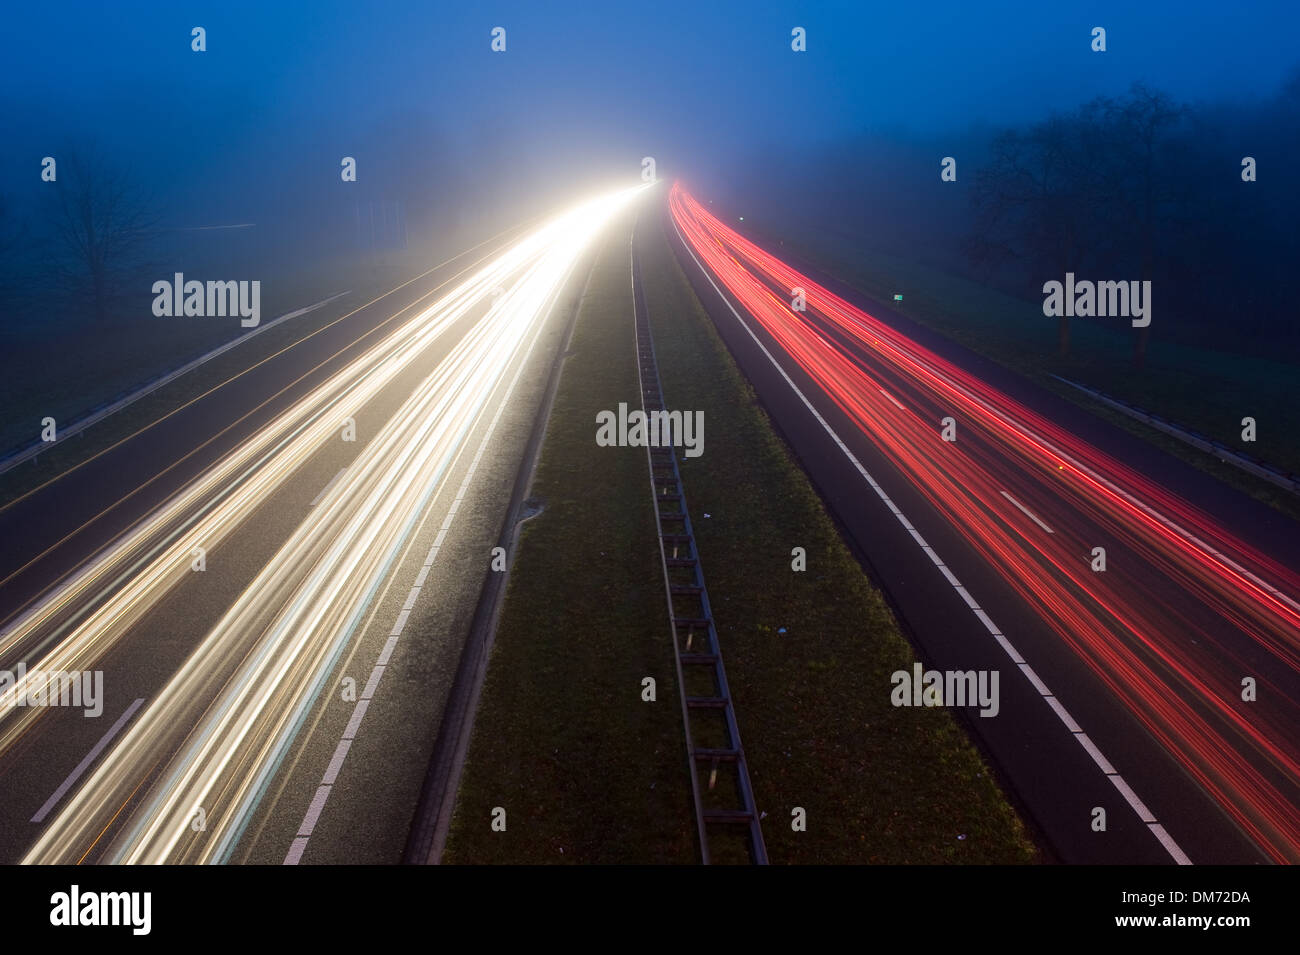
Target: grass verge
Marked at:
809, 654
562, 739
1199, 388
59, 390
585, 770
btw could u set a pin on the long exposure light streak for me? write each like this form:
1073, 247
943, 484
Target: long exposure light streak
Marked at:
220, 724
1185, 610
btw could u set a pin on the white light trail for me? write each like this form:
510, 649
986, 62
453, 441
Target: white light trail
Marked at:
282, 635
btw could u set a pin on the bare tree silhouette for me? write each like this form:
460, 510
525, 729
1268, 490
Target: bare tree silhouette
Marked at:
1032, 201
1144, 192
101, 224
1092, 186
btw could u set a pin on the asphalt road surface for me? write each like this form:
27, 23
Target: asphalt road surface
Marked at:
1121, 689
273, 583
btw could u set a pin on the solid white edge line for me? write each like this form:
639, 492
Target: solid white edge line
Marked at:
299, 845
1167, 842
1064, 714
1131, 797
1086, 742
314, 810
373, 682
354, 724
336, 762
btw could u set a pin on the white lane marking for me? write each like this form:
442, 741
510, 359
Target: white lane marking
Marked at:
314, 810
354, 724
373, 682
989, 625
1086, 742
87, 760
326, 489
1167, 841
1017, 659
437, 545
898, 403
296, 850
1143, 813
332, 771
1033, 678
1131, 797
1027, 512
299, 845
1066, 718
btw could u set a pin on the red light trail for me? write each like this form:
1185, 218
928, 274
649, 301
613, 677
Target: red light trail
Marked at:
1183, 612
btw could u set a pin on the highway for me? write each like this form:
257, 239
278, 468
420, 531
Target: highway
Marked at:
1122, 687
251, 551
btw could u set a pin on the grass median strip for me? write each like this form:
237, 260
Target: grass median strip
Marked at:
30, 394
1198, 387
585, 770
563, 741
809, 654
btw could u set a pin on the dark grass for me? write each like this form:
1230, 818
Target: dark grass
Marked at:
67, 365
587, 771
880, 784
1199, 388
102, 364
561, 737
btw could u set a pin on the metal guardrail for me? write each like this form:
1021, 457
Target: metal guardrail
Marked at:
707, 710
1282, 479
31, 451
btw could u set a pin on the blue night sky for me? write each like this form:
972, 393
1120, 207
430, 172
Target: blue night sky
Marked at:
581, 84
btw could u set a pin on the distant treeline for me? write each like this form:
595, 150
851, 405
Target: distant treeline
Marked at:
1200, 199
88, 245
86, 235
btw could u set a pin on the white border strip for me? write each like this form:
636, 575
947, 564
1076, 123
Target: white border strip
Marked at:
299, 845
1058, 708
